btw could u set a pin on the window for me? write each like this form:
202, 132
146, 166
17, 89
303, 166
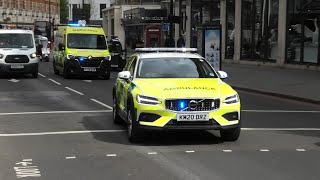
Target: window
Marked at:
86, 41
169, 67
1, 3
259, 30
303, 31
230, 24
133, 66
16, 41
102, 6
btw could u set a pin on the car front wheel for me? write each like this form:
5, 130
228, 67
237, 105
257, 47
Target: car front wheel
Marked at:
232, 134
134, 134
116, 118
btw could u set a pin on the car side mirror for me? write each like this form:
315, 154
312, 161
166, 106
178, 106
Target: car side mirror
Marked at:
223, 75
126, 75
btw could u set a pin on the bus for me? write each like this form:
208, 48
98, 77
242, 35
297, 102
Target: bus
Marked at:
41, 28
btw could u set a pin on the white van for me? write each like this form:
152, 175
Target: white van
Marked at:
18, 52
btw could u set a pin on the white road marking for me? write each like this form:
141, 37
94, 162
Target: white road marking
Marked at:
227, 150
54, 112
25, 169
279, 111
55, 82
74, 91
88, 81
152, 153
71, 157
102, 104
27, 160
60, 133
190, 151
280, 129
14, 80
301, 150
264, 150
41, 75
111, 155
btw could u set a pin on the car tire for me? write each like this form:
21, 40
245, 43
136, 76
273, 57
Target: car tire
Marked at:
66, 74
107, 76
56, 71
35, 75
116, 118
232, 134
134, 134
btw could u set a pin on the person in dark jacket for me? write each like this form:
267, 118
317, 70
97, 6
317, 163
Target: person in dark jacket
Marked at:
181, 43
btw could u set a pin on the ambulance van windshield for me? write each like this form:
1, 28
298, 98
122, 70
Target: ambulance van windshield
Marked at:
86, 41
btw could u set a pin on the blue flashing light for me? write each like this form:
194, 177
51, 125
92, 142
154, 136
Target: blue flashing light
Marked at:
74, 25
182, 105
81, 59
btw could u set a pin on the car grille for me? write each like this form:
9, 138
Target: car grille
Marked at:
94, 62
17, 59
192, 104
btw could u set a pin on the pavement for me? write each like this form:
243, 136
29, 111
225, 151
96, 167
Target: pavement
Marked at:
302, 85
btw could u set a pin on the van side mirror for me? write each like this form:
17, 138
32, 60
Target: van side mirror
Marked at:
61, 47
223, 75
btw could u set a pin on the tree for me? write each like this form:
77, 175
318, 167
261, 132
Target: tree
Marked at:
64, 11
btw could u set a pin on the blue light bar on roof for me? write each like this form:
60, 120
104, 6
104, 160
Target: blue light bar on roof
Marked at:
73, 24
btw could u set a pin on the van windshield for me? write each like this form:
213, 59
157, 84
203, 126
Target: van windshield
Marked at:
86, 41
15, 40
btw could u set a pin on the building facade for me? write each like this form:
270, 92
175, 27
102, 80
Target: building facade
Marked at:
124, 19
282, 33
90, 10
14, 13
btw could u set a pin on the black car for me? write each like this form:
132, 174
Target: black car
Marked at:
118, 59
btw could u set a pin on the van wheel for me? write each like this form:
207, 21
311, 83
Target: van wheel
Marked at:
35, 75
66, 73
56, 71
106, 77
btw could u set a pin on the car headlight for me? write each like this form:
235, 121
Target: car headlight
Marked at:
70, 56
147, 100
1, 56
33, 55
232, 99
108, 58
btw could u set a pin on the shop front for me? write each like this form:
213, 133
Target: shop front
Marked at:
274, 32
143, 27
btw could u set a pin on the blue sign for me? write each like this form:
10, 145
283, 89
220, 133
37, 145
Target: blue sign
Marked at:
165, 27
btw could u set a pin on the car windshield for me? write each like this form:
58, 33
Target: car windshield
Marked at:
15, 40
86, 41
175, 68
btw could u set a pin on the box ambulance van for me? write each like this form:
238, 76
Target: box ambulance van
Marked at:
81, 49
